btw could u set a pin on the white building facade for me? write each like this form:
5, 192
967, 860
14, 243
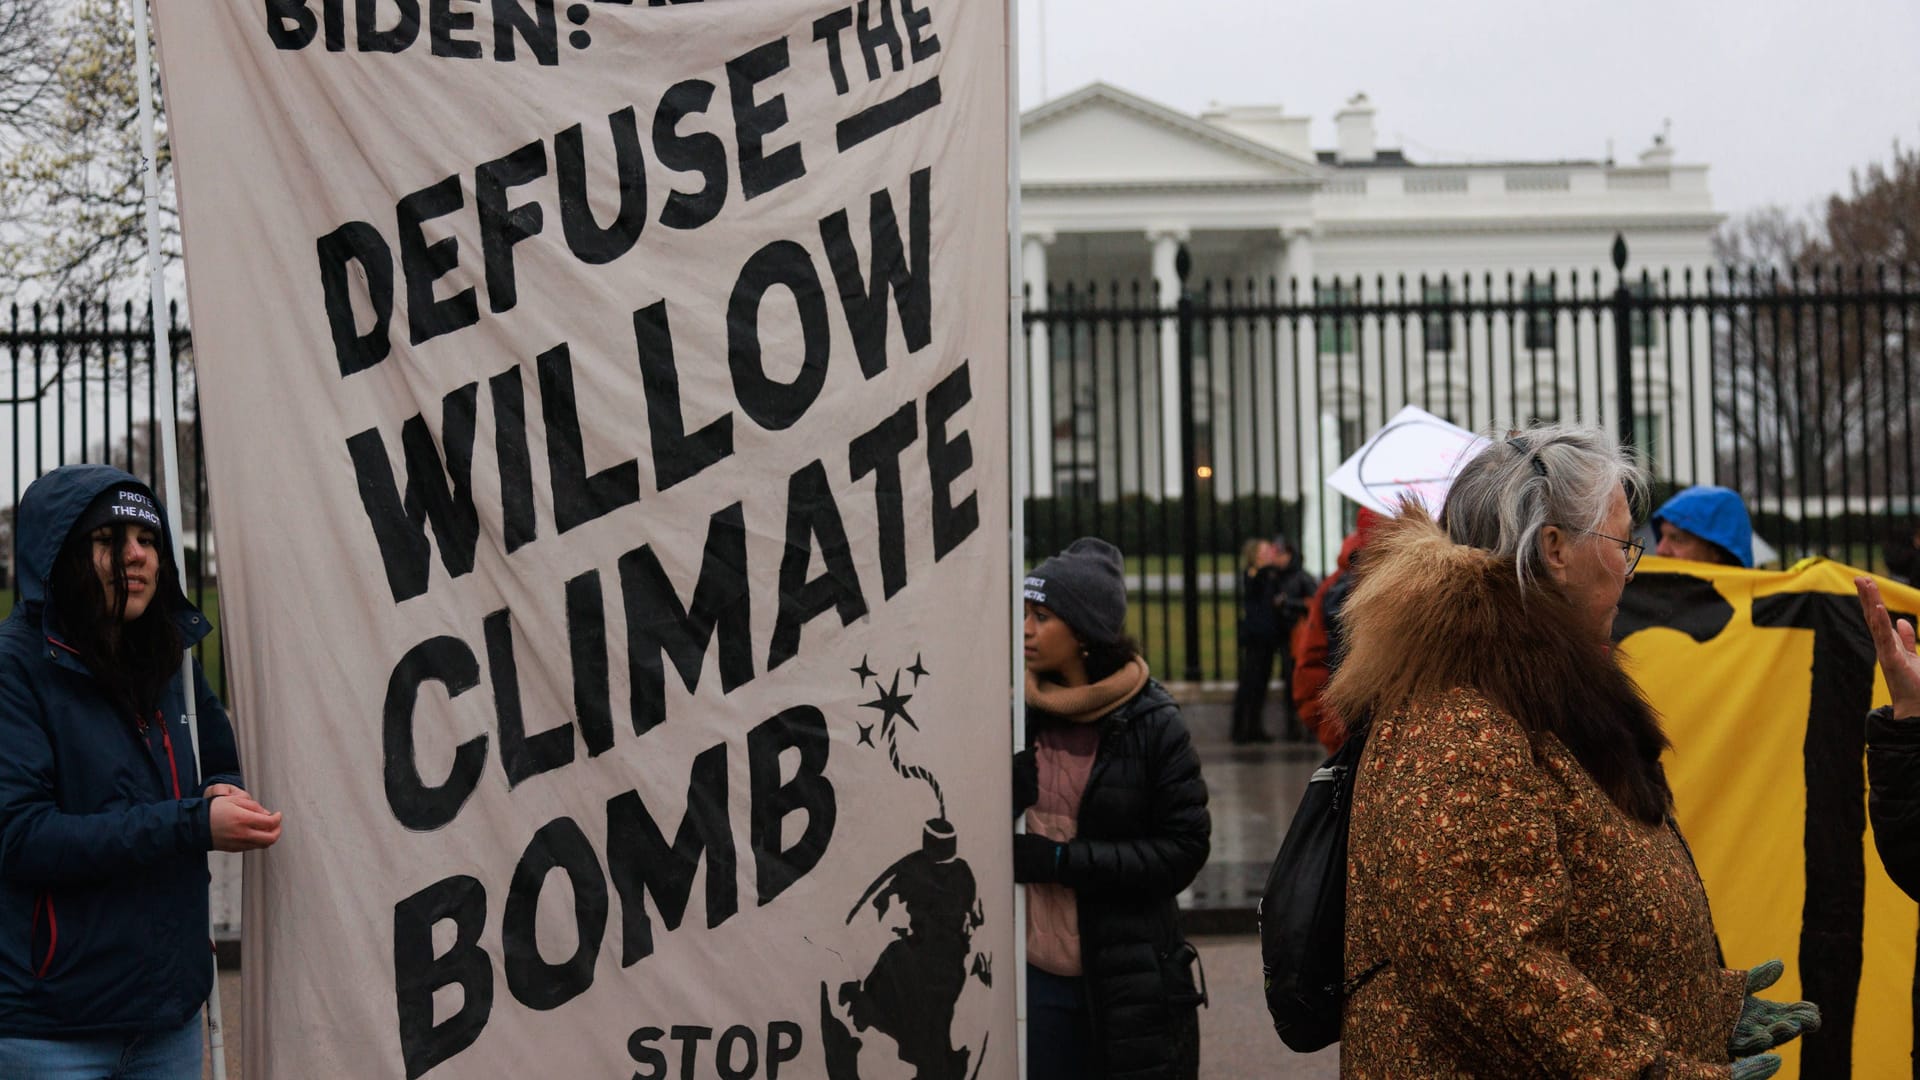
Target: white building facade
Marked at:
1114, 185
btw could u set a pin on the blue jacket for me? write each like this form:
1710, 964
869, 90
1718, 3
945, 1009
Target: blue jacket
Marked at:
103, 833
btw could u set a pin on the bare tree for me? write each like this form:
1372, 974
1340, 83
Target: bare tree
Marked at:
1818, 396
1770, 237
1878, 221
71, 170
31, 42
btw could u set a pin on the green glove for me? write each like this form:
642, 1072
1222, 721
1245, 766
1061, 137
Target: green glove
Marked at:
1758, 1067
1764, 1024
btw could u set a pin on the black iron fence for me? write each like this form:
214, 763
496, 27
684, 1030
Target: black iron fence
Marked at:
1179, 432
81, 387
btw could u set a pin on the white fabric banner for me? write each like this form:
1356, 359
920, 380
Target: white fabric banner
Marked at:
606, 413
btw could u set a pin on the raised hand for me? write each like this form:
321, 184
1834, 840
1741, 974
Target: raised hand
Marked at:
1894, 645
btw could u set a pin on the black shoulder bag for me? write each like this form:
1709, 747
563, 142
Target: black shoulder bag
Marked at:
1303, 912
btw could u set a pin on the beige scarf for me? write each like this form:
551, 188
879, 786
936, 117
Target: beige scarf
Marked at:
1083, 704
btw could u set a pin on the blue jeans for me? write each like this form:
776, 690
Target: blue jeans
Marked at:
166, 1055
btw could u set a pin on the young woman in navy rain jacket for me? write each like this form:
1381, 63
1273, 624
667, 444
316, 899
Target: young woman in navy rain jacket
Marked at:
105, 821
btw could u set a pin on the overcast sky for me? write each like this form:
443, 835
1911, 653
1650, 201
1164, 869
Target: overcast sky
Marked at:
1780, 98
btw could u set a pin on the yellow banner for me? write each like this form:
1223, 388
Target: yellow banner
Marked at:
1764, 680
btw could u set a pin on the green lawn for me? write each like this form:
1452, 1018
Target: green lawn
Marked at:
1209, 562
1157, 624
209, 649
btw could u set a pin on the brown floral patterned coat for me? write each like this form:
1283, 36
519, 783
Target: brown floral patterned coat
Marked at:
1531, 928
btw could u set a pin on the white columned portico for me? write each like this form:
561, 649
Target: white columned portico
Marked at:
1319, 520
1166, 283
1033, 274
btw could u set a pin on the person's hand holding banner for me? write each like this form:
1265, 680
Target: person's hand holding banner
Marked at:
1894, 643
237, 822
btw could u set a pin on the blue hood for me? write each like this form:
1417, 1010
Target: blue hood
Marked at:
47, 513
1714, 514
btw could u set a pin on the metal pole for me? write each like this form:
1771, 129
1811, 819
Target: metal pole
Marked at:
1190, 484
1019, 448
169, 448
1622, 342
1041, 5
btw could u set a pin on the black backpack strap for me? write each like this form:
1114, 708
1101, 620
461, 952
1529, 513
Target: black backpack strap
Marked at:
1352, 986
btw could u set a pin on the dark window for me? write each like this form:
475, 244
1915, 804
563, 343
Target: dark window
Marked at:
1337, 335
1540, 321
1646, 435
1644, 321
1439, 324
1350, 436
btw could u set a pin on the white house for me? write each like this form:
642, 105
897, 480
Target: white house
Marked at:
1112, 185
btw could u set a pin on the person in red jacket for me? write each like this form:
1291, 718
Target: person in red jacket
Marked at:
1316, 648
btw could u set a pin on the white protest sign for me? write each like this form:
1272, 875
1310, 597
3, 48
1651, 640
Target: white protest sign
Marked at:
1414, 456
606, 416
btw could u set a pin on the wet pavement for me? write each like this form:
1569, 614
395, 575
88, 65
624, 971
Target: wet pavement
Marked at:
1252, 792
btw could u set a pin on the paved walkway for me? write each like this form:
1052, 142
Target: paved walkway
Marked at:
1236, 1037
1252, 792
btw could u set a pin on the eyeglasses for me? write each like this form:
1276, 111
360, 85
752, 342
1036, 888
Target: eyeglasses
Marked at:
1631, 549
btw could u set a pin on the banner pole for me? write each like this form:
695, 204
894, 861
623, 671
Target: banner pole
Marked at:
1017, 467
169, 441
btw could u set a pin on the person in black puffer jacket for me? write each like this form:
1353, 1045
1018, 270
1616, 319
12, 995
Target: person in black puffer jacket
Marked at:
1117, 825
1893, 744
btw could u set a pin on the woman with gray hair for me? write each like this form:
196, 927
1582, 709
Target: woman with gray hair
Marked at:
1519, 899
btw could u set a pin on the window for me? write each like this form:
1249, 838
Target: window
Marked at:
1644, 321
1540, 328
1351, 436
1438, 325
1337, 335
1647, 427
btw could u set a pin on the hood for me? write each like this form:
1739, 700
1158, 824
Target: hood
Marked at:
1714, 514
1364, 525
1429, 616
1349, 548
47, 513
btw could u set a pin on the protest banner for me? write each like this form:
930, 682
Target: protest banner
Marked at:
1763, 680
606, 411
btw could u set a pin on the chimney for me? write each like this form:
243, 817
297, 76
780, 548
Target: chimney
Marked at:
1660, 154
1355, 124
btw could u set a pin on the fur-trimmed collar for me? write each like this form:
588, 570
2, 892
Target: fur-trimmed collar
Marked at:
1429, 615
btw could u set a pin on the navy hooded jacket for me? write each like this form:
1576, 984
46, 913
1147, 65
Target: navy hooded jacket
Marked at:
103, 831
